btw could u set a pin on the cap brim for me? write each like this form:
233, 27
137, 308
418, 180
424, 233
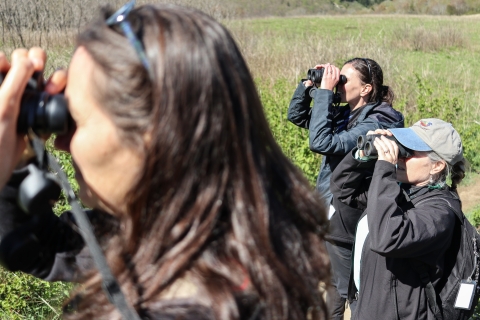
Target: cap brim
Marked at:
409, 139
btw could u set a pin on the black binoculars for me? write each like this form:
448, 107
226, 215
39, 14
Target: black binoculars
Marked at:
316, 75
40, 111
365, 143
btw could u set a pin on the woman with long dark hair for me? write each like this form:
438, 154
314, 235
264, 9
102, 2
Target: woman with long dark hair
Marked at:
200, 214
333, 131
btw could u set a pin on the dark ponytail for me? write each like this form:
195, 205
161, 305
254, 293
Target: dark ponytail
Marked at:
387, 95
457, 173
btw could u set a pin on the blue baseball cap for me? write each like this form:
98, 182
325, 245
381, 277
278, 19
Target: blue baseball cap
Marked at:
432, 135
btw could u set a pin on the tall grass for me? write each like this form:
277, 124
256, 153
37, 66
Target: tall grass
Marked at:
429, 62
54, 23
441, 50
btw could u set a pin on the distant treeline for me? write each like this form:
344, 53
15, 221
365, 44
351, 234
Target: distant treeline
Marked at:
248, 8
53, 22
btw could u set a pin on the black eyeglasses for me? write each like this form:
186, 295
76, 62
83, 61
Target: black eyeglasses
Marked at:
120, 18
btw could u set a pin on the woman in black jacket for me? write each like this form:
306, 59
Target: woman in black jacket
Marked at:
333, 133
405, 215
206, 218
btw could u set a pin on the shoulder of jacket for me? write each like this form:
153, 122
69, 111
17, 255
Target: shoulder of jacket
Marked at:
366, 112
371, 107
439, 197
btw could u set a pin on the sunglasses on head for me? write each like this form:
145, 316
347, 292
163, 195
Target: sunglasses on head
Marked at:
368, 65
120, 18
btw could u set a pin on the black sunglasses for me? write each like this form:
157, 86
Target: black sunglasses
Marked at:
120, 18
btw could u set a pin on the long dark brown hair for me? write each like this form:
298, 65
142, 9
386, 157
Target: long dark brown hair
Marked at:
218, 202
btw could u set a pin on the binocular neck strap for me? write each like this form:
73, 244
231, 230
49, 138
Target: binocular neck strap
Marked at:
109, 283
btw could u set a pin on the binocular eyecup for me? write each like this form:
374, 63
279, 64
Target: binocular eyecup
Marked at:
40, 111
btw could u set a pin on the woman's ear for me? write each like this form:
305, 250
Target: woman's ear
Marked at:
437, 167
366, 90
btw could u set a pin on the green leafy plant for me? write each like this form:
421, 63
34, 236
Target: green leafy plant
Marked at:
447, 106
474, 217
25, 297
292, 139
470, 137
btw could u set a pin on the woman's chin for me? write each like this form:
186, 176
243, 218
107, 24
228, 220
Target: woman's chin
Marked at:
91, 200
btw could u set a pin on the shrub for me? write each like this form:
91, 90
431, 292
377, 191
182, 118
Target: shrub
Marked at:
292, 139
447, 107
474, 217
25, 297
470, 137
421, 38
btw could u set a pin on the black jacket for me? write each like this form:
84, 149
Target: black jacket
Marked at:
405, 225
332, 134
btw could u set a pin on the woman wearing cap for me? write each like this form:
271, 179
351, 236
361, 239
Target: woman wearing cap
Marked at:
405, 217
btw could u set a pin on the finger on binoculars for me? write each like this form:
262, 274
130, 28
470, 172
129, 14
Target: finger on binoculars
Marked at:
15, 81
57, 82
4, 63
17, 54
320, 66
38, 57
380, 131
386, 149
20, 71
336, 72
390, 145
388, 133
380, 144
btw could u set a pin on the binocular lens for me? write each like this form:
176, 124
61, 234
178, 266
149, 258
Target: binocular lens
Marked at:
369, 149
365, 143
361, 140
43, 113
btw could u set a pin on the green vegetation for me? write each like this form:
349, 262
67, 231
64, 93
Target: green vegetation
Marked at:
431, 63
23, 297
474, 216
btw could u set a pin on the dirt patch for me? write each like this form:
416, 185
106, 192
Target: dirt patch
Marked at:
470, 194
